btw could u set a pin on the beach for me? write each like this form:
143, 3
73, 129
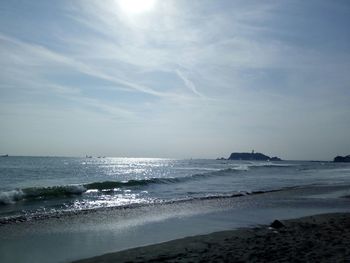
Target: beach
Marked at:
174, 131
318, 238
67, 209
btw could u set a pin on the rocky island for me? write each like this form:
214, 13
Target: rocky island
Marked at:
252, 157
342, 159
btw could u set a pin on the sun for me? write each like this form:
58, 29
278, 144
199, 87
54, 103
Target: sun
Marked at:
136, 6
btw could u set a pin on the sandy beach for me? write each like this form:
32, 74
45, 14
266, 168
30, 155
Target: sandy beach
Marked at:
319, 238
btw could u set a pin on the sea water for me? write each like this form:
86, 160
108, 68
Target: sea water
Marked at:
56, 209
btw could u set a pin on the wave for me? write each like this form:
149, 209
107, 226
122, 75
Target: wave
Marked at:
37, 193
10, 197
70, 212
32, 193
109, 185
54, 191
272, 165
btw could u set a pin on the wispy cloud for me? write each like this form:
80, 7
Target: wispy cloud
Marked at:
189, 84
200, 68
46, 57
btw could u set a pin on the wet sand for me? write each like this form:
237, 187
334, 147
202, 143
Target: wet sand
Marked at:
319, 238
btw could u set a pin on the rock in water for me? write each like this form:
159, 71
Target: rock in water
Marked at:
277, 224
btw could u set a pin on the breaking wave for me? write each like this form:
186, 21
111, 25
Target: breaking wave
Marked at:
37, 193
10, 197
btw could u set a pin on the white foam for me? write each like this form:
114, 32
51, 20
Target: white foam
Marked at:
242, 167
76, 189
10, 197
92, 191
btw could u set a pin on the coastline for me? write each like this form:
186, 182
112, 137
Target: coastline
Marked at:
321, 238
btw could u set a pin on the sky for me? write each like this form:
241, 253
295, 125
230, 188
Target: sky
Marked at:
175, 79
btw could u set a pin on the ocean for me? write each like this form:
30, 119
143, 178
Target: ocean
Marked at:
58, 209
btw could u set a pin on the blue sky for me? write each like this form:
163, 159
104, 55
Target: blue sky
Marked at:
183, 79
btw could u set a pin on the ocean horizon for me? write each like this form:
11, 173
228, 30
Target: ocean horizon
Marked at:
227, 116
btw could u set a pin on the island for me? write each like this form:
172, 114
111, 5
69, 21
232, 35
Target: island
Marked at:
342, 159
253, 156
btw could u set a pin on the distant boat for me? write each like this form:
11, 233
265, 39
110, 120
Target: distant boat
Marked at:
88, 156
5, 155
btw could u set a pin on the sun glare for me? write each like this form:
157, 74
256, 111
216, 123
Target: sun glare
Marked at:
136, 6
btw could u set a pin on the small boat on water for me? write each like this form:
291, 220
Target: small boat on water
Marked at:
5, 155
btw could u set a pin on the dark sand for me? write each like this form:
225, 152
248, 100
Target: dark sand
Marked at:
320, 238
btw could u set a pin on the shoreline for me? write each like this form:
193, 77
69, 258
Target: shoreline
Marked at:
321, 238
16, 219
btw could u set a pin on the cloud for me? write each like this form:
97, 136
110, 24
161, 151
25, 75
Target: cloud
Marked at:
32, 53
188, 83
244, 72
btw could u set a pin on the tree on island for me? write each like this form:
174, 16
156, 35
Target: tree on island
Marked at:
253, 156
342, 159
